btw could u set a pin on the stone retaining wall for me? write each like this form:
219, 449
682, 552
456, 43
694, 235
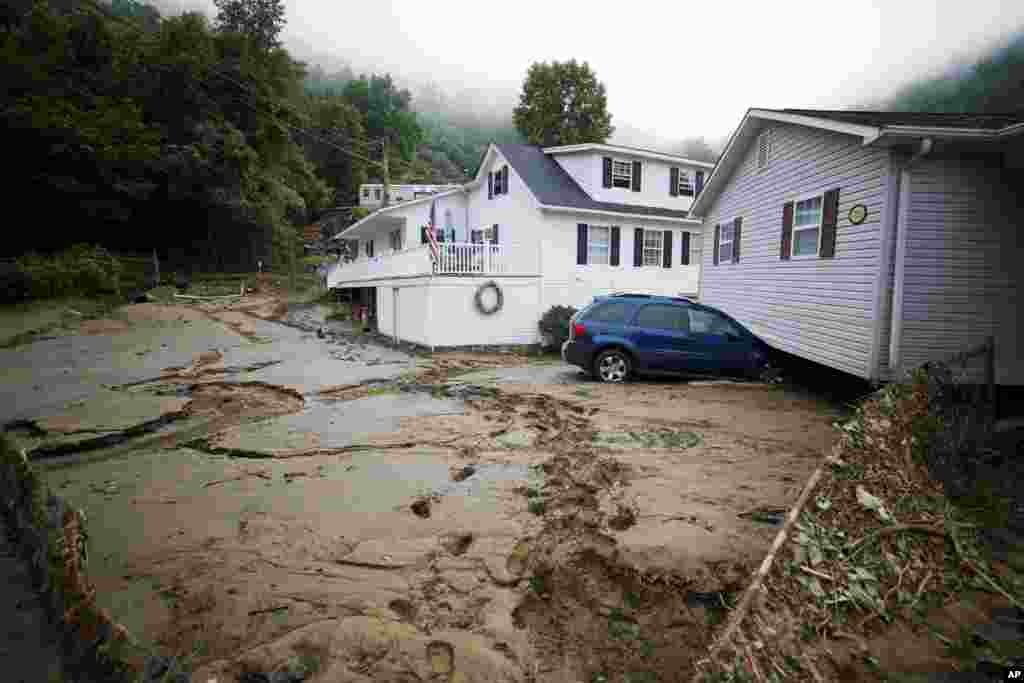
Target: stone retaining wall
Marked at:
51, 538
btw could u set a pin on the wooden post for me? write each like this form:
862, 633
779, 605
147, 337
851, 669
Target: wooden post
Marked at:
156, 269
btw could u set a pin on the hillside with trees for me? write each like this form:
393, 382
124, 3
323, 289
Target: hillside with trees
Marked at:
994, 84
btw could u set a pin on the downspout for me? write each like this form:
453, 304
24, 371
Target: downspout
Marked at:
903, 196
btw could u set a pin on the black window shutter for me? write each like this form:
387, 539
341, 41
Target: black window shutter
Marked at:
423, 235
699, 183
787, 231
673, 181
607, 172
666, 248
613, 257
581, 244
736, 234
490, 186
829, 218
638, 247
504, 180
636, 176
495, 233
718, 233
684, 258
370, 247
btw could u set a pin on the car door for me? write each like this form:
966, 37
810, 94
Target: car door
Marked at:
718, 345
660, 333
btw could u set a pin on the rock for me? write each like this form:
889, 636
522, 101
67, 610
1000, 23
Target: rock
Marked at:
463, 473
421, 508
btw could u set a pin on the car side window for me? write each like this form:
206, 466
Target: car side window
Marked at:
662, 317
609, 312
706, 322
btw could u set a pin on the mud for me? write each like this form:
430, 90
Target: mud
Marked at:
375, 516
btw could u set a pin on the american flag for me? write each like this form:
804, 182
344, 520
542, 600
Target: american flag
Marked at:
435, 250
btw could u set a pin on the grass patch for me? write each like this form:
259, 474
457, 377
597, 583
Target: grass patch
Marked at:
536, 506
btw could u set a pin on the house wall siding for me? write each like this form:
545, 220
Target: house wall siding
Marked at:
455, 321
820, 309
569, 284
588, 171
962, 272
519, 221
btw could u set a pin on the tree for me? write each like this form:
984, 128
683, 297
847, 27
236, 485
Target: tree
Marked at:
563, 103
260, 20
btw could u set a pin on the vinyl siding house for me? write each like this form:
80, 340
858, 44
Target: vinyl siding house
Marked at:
550, 226
870, 242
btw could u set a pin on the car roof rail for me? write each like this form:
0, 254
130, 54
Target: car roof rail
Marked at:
637, 294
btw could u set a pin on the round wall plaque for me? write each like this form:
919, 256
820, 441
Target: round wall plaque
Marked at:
858, 213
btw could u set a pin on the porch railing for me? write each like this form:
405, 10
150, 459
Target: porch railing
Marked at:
465, 258
454, 258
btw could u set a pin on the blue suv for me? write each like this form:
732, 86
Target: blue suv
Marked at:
616, 336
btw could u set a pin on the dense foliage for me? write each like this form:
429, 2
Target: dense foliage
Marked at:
993, 84
563, 103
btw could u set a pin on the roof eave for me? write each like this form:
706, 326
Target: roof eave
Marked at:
649, 154
388, 209
619, 214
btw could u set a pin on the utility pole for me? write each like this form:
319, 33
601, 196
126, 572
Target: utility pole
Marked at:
387, 177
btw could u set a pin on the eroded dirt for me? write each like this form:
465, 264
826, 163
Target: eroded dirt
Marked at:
433, 526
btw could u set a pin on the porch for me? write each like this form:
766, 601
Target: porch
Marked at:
453, 259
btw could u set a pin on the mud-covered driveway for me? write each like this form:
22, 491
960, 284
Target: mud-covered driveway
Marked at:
261, 497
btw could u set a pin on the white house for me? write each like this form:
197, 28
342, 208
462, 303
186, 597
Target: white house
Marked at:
554, 225
870, 242
371, 195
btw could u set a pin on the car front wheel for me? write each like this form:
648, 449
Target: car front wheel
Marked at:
613, 365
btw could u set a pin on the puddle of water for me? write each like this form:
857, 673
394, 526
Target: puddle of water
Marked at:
339, 424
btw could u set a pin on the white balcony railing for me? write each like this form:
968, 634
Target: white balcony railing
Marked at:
454, 258
462, 258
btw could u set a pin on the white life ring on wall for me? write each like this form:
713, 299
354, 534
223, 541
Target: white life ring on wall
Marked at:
499, 298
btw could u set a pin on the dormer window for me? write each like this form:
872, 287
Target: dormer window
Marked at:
622, 174
680, 184
619, 173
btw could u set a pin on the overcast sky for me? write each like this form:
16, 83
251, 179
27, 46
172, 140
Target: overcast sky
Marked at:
674, 69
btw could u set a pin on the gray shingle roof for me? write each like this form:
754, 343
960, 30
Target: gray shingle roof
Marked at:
903, 118
553, 186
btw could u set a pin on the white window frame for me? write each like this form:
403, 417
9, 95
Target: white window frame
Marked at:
764, 143
607, 246
731, 225
660, 249
684, 182
619, 175
802, 228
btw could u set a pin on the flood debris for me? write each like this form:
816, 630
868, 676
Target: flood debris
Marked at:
421, 507
463, 473
457, 544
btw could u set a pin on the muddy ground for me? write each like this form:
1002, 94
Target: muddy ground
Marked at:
263, 496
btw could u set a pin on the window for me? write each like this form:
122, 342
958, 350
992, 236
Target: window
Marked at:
807, 226
366, 193
663, 317
497, 183
707, 322
599, 241
685, 186
369, 249
725, 242
622, 174
608, 312
395, 239
764, 148
376, 193
652, 248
